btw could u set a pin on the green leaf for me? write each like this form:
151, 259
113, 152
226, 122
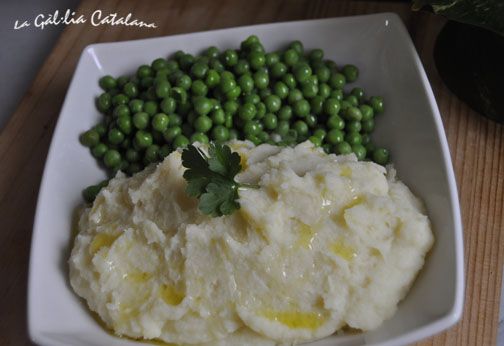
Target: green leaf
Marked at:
488, 14
211, 178
220, 199
223, 161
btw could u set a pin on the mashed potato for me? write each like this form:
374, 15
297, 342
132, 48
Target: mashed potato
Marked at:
325, 242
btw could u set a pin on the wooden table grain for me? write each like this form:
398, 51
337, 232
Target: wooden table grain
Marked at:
476, 144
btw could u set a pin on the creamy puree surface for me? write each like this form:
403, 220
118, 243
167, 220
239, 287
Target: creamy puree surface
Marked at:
325, 242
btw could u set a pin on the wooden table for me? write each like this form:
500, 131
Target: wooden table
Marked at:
476, 145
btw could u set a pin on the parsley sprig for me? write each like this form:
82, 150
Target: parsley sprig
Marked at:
210, 178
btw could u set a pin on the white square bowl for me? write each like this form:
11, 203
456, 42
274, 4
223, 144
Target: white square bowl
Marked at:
411, 127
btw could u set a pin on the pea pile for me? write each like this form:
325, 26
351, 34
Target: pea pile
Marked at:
282, 98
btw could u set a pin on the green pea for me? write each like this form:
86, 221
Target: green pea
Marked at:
230, 58
112, 158
309, 89
218, 116
220, 133
121, 111
263, 136
199, 137
359, 151
263, 93
290, 57
320, 133
146, 83
249, 41
179, 94
186, 61
368, 126
184, 82
141, 120
283, 127
301, 128
331, 106
151, 153
297, 46
242, 67
381, 156
285, 113
302, 72
172, 65
202, 105
132, 155
324, 90
234, 93
337, 95
272, 58
136, 106
353, 100
316, 54
199, 88
278, 70
251, 127
353, 138
353, 113
365, 139
377, 103
273, 103
160, 122
124, 124
252, 98
317, 104
101, 129
99, 150
351, 73
144, 71
358, 92
281, 90
143, 139
294, 96
261, 79
344, 105
90, 138
130, 90
231, 107
162, 88
104, 102
289, 80
168, 105
227, 84
323, 74
315, 140
261, 110
228, 120
170, 133
367, 112
246, 83
158, 64
354, 126
335, 136
120, 99
212, 78
150, 107
311, 120
254, 139
180, 141
247, 111
107, 82
337, 81
174, 120
257, 60
203, 123
335, 122
343, 148
199, 70
270, 121
301, 108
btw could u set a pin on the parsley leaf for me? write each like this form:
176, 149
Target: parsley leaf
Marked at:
211, 178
